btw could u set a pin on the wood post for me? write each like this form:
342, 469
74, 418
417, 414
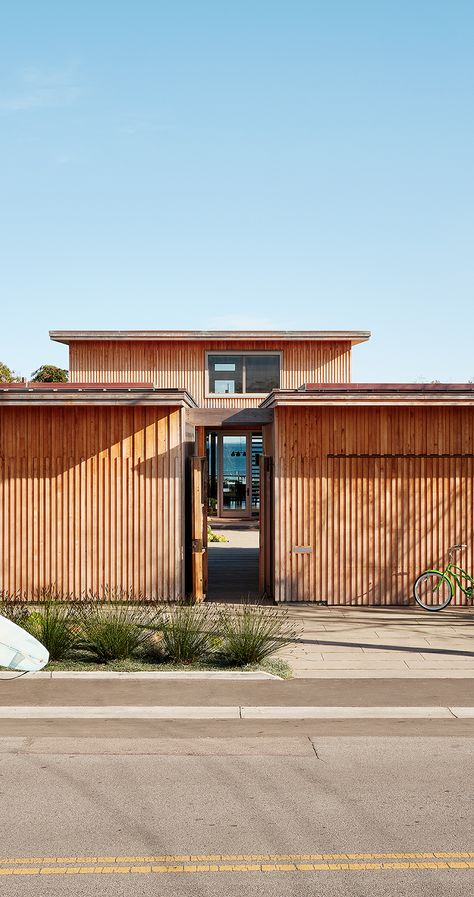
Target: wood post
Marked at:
198, 531
265, 565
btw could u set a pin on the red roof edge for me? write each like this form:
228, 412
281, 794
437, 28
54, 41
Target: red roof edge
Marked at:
70, 386
386, 387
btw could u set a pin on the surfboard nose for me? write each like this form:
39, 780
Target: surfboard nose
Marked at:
19, 650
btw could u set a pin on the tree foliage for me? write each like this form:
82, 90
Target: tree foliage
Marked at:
6, 375
49, 373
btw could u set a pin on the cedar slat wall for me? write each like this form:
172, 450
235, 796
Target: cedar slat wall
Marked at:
182, 364
374, 523
91, 498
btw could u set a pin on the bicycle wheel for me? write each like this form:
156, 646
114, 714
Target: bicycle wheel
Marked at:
432, 590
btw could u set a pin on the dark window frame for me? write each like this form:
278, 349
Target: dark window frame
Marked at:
243, 355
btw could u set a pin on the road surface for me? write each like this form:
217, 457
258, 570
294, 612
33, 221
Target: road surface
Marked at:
241, 807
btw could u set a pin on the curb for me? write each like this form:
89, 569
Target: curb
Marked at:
233, 712
235, 675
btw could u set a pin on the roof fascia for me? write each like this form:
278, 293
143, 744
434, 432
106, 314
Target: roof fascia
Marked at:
71, 336
404, 396
98, 396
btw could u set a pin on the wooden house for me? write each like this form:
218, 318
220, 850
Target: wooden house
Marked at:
106, 482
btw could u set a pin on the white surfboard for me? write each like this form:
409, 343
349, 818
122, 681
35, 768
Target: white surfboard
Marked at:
19, 650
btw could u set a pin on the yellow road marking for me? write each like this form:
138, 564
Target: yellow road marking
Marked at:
189, 863
173, 859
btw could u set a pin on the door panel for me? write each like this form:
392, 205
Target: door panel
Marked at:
234, 475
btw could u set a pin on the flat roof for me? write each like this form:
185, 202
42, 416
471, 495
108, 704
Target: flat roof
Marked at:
70, 336
340, 394
92, 394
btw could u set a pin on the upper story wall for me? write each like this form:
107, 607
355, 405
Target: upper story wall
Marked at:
182, 364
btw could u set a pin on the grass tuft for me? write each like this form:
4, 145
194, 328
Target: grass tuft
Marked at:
115, 631
251, 633
188, 633
54, 628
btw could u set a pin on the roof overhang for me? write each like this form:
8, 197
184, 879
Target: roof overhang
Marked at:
74, 394
71, 336
372, 394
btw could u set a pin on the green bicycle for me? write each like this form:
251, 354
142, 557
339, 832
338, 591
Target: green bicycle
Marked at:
434, 589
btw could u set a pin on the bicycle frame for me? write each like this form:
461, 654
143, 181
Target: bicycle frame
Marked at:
455, 578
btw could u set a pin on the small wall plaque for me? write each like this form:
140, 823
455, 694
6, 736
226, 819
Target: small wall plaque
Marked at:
303, 549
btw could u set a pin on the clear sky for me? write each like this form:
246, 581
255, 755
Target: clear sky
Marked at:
234, 163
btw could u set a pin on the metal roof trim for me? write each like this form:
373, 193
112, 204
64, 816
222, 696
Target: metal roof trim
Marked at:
69, 336
94, 394
372, 394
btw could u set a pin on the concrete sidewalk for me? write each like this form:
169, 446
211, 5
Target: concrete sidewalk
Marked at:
192, 710
230, 712
346, 642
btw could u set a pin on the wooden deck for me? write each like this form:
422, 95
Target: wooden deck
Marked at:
233, 574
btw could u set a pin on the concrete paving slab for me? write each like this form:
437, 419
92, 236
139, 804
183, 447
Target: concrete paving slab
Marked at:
440, 641
384, 653
119, 712
447, 659
346, 713
406, 673
226, 713
336, 660
339, 649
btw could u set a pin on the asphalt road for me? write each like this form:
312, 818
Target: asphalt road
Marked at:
143, 804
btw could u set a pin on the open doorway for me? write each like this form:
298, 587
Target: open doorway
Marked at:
233, 508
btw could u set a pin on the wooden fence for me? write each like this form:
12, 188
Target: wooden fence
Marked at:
357, 527
110, 518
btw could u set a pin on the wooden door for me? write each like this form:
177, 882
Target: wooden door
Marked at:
235, 475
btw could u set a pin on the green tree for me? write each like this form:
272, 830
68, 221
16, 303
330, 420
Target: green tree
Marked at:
49, 373
6, 375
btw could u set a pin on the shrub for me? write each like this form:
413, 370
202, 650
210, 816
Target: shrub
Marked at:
251, 633
188, 633
215, 537
49, 373
115, 631
54, 628
13, 608
6, 374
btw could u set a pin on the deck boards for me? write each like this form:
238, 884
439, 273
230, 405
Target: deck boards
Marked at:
233, 573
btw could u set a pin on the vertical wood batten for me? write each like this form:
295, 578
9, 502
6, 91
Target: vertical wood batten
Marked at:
80, 492
182, 365
385, 510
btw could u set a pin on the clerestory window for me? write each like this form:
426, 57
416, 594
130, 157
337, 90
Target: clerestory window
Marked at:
238, 373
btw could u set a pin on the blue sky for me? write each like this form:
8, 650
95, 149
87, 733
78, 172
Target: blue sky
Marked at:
191, 163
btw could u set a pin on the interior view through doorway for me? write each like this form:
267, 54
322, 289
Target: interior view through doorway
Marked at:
233, 508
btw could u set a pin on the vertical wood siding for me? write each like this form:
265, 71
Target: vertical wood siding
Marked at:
91, 498
379, 494
182, 365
